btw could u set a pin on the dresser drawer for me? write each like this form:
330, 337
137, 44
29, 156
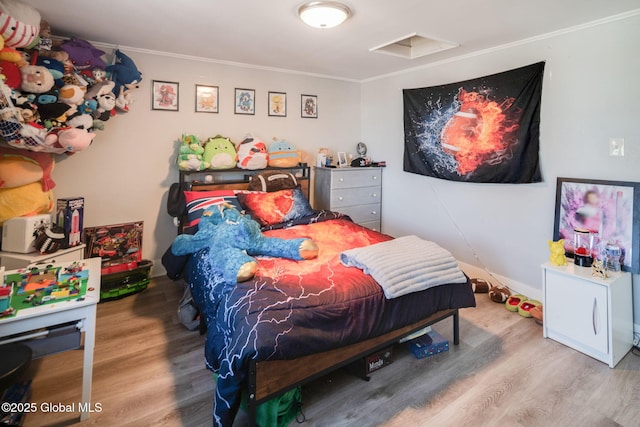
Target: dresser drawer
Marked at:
362, 213
354, 196
364, 177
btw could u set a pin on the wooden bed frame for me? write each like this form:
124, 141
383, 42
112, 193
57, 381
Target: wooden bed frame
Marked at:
271, 378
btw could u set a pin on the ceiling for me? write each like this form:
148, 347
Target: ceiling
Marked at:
268, 33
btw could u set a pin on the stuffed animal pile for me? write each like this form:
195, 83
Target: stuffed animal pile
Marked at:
55, 93
219, 152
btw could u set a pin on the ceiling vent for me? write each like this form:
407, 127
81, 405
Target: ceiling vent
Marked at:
413, 46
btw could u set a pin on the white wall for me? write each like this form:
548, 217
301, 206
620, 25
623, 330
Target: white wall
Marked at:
125, 174
590, 93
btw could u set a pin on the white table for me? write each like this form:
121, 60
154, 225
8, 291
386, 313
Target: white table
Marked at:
83, 311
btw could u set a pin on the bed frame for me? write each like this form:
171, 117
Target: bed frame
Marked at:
271, 378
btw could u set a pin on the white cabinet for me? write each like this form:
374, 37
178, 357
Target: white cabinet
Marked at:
14, 260
586, 313
356, 192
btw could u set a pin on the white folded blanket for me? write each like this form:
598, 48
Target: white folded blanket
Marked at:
406, 264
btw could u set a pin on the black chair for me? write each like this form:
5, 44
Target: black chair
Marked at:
16, 359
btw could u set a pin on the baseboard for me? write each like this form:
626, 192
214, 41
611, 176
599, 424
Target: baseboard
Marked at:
515, 286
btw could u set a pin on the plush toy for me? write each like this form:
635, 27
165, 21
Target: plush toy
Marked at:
233, 239
190, 154
22, 167
19, 23
68, 140
499, 294
252, 154
25, 200
36, 79
282, 154
10, 74
124, 74
220, 153
84, 56
557, 256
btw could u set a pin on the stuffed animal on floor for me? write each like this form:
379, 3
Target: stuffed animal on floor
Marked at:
233, 239
557, 256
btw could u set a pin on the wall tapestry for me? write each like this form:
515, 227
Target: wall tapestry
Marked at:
480, 130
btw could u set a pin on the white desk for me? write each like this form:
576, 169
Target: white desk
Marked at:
83, 311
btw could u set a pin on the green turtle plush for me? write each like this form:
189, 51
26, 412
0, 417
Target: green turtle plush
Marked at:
233, 239
220, 153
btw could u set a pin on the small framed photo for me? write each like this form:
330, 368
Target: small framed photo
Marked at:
207, 99
164, 96
245, 101
342, 159
309, 106
278, 104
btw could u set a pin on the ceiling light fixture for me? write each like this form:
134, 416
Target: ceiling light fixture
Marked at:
323, 14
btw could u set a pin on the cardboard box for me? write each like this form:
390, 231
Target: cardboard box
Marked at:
119, 245
428, 345
366, 365
19, 234
69, 216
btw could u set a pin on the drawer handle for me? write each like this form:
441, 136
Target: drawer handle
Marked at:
375, 177
594, 316
374, 213
340, 198
341, 179
374, 195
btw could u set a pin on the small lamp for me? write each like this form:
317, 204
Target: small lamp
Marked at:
323, 14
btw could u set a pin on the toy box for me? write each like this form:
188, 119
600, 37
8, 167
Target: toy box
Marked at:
69, 217
119, 245
19, 234
127, 282
428, 344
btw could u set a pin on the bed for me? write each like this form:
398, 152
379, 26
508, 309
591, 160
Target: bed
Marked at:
298, 320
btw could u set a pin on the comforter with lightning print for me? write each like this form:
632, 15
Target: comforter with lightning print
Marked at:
294, 308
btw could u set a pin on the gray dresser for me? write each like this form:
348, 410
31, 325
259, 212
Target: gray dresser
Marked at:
356, 192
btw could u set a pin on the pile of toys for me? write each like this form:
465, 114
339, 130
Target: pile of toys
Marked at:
56, 92
220, 152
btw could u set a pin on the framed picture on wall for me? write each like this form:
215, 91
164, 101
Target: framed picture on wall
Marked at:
309, 106
278, 104
207, 99
245, 101
164, 95
607, 210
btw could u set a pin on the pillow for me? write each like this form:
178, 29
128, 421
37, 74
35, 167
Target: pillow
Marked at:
273, 181
277, 206
199, 201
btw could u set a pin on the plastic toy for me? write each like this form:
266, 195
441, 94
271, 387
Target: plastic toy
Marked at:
557, 256
282, 154
232, 240
220, 153
190, 154
252, 154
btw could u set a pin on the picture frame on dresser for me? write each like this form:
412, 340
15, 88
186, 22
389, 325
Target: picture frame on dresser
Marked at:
609, 208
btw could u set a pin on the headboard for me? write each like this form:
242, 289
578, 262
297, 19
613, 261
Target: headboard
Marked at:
234, 179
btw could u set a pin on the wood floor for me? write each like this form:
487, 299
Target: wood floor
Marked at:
149, 371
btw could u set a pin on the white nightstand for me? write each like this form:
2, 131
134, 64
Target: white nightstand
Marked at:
589, 314
356, 192
14, 260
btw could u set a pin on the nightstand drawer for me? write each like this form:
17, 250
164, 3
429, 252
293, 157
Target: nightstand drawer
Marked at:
364, 177
354, 196
363, 213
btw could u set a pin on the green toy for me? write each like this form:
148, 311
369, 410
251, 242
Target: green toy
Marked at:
190, 154
220, 153
233, 239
